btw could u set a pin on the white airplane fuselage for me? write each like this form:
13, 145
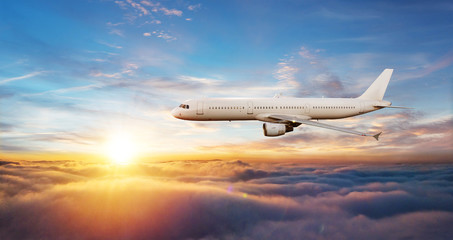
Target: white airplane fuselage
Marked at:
238, 109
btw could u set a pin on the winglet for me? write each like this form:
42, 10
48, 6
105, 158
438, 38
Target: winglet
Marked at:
377, 136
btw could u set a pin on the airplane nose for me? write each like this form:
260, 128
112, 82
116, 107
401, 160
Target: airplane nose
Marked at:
175, 113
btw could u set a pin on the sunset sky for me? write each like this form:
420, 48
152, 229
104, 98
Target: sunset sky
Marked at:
89, 149
75, 74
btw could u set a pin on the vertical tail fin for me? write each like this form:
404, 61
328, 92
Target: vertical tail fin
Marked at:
377, 90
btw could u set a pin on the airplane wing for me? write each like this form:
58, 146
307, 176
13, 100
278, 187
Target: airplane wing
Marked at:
304, 120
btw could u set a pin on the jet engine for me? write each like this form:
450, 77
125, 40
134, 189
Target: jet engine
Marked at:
276, 129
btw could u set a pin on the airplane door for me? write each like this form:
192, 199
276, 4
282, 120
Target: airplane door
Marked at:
199, 108
249, 107
307, 108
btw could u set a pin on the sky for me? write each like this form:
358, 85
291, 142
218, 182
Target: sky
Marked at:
89, 149
75, 74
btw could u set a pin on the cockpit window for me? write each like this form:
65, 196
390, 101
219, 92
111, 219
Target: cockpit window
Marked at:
185, 106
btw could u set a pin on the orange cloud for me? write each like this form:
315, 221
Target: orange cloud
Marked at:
220, 199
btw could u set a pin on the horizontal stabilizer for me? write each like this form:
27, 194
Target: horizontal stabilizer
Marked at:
377, 136
383, 106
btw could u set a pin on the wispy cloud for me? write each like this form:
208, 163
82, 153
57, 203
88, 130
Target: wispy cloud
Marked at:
305, 53
345, 14
26, 76
68, 90
145, 8
352, 39
286, 73
160, 34
443, 62
194, 7
167, 11
117, 32
328, 83
155, 21
307, 73
206, 81
144, 13
138, 7
128, 69
110, 45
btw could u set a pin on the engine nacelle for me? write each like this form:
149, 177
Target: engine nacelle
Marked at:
276, 129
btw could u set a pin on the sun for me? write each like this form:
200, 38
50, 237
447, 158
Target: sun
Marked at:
121, 149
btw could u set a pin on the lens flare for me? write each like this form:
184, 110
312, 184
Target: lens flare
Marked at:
121, 149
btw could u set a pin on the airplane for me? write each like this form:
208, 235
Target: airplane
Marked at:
281, 115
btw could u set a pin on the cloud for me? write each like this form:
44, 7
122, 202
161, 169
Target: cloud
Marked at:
443, 62
345, 14
223, 199
403, 132
6, 92
194, 7
205, 81
328, 84
121, 4
286, 73
167, 11
362, 39
110, 44
6, 127
138, 7
305, 73
127, 70
160, 34
144, 11
305, 53
117, 32
30, 75
420, 225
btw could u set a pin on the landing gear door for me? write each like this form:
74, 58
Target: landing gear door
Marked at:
199, 108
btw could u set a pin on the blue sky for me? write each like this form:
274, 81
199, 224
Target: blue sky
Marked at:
72, 73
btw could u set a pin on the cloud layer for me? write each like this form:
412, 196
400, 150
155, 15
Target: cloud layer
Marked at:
224, 200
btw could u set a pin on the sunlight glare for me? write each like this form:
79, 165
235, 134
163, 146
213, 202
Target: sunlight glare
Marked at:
121, 149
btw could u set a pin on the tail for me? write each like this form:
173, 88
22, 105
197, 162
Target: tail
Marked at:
377, 90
